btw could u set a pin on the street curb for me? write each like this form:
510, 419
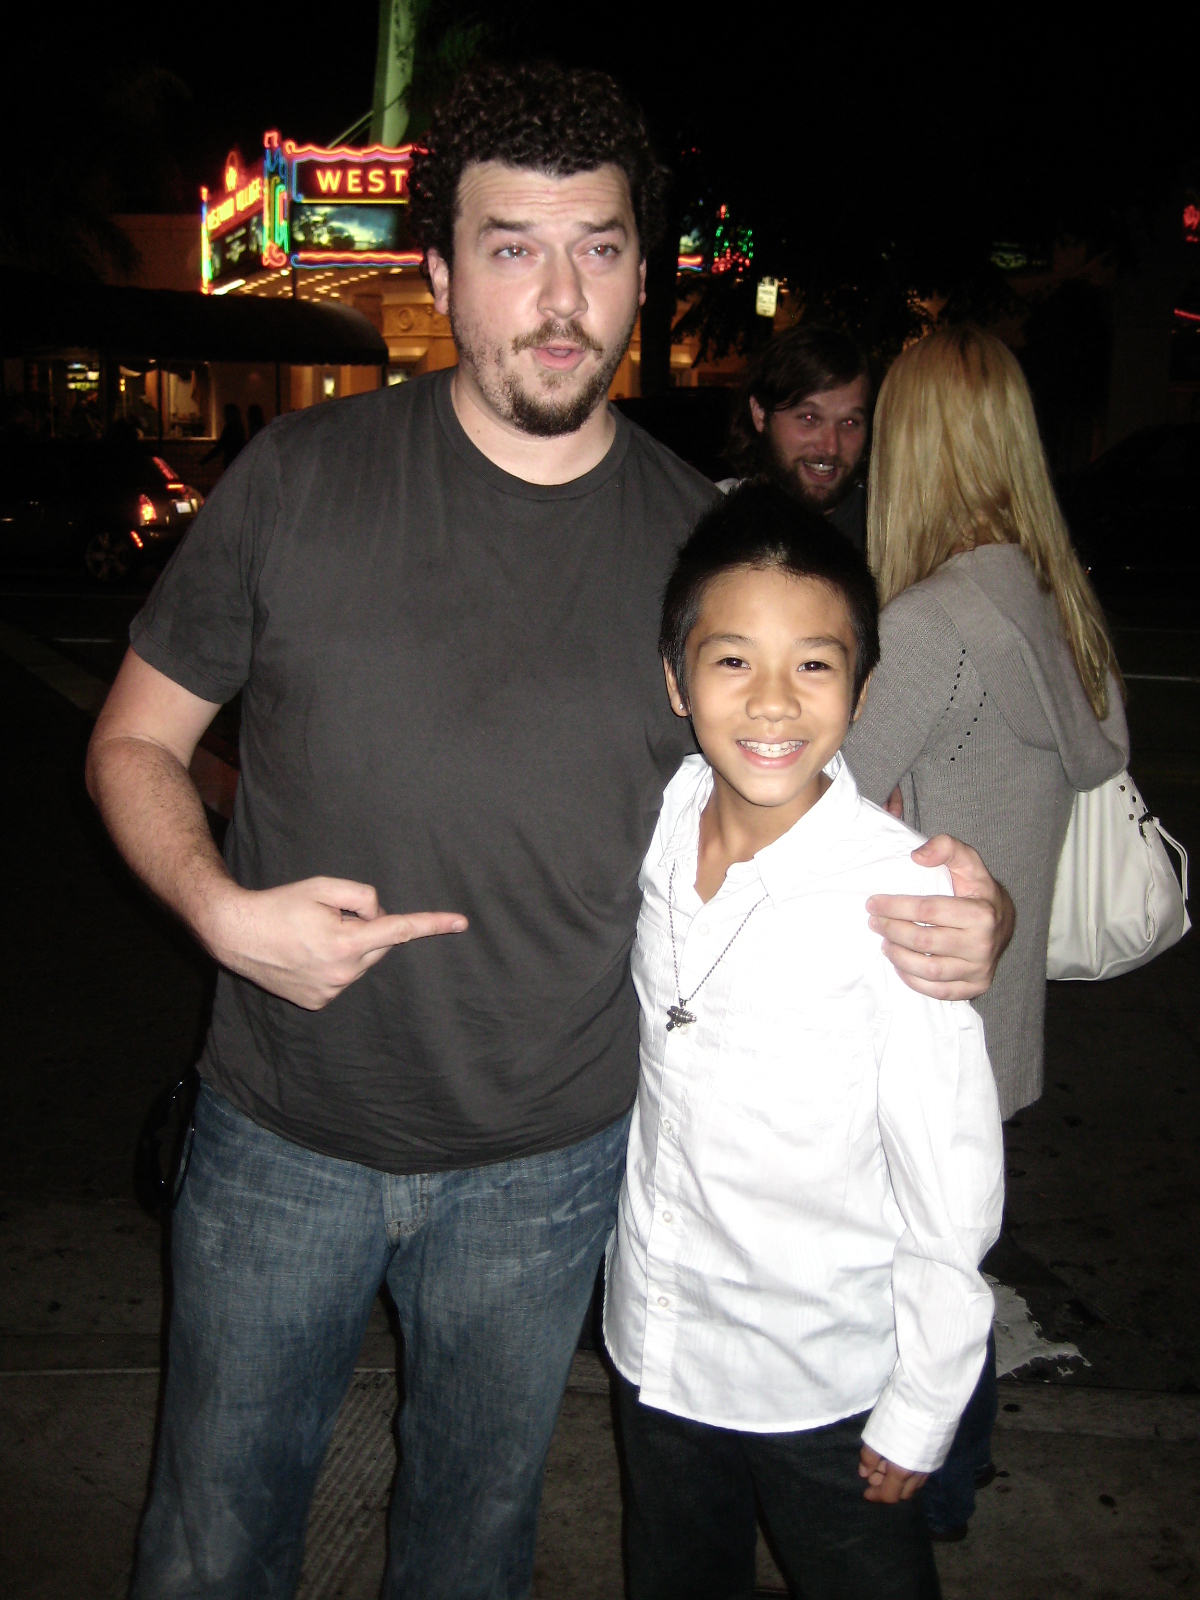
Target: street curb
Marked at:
215, 779
1136, 1414
81, 688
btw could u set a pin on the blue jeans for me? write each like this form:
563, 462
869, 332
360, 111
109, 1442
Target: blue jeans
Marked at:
277, 1255
691, 1502
949, 1493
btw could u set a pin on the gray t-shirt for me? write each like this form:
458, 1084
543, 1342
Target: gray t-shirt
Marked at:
451, 689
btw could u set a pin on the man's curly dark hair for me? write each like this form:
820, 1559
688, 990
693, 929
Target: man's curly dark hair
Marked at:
540, 117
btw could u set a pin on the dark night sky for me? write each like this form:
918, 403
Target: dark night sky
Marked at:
822, 118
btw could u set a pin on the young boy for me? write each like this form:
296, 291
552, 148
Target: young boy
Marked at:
815, 1164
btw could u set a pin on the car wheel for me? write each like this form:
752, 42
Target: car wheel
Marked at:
108, 556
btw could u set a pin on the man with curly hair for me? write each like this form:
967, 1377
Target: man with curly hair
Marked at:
439, 604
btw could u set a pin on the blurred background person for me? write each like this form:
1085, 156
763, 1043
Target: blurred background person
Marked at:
997, 696
802, 418
255, 421
231, 440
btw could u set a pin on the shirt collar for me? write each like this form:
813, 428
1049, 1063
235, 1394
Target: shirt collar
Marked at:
784, 866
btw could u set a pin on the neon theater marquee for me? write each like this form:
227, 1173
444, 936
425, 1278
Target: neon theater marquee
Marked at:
307, 207
231, 228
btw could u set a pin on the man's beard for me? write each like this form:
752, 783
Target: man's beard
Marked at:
790, 480
541, 415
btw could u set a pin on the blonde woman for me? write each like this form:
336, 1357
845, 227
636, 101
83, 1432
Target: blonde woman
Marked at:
997, 695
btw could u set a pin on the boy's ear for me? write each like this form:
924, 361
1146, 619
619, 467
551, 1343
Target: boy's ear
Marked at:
862, 697
678, 704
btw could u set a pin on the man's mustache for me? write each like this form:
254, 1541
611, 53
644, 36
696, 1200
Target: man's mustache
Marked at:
552, 332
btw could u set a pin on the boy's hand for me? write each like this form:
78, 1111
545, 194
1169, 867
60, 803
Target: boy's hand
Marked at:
886, 1482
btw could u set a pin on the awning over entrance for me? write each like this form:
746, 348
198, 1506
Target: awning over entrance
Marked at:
40, 315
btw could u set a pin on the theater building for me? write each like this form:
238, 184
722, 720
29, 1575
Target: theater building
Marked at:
326, 225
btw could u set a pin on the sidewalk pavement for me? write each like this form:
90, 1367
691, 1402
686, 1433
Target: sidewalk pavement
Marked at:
1098, 1492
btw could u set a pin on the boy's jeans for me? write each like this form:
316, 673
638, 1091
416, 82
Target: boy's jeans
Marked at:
949, 1493
691, 1502
277, 1255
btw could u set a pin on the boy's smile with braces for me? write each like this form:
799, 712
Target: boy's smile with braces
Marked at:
772, 749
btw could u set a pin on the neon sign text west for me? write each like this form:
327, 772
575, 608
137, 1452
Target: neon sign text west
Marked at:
317, 181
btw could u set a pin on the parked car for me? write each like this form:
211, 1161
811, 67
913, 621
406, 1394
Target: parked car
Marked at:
1134, 513
103, 507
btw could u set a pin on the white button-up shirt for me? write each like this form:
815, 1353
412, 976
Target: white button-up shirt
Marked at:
815, 1164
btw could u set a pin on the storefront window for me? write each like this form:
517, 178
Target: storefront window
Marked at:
187, 395
83, 417
58, 398
136, 401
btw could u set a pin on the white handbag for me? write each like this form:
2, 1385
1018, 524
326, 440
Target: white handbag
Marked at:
1117, 902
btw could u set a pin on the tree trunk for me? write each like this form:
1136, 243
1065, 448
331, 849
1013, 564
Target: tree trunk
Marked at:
393, 71
658, 314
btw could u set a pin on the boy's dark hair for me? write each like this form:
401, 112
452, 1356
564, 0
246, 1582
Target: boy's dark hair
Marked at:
807, 359
540, 117
760, 525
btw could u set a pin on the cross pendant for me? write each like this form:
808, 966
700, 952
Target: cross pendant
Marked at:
679, 1016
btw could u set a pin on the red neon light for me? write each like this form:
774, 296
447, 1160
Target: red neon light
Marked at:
345, 152
690, 264
367, 258
1188, 316
273, 256
1191, 218
234, 205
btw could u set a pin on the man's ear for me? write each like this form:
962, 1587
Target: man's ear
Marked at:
757, 415
678, 704
439, 281
862, 697
642, 282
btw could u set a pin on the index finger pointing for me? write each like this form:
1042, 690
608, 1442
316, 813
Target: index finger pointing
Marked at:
385, 931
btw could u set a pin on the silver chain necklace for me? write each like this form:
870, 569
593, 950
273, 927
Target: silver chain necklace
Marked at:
678, 1016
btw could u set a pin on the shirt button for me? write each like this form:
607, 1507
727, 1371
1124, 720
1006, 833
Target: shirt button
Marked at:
702, 930
667, 1217
662, 1300
668, 1127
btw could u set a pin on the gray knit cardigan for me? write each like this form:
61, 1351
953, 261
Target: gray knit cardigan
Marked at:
977, 711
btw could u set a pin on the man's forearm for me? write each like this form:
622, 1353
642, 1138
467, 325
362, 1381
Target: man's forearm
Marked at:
156, 818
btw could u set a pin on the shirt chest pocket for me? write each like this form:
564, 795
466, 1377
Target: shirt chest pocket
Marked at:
796, 1068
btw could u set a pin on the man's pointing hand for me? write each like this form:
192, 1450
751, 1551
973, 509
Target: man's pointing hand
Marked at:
308, 941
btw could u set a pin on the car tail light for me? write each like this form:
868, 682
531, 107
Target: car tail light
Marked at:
146, 509
137, 538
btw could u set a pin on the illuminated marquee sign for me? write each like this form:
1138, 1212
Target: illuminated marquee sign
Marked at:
347, 207
307, 207
364, 182
230, 225
243, 194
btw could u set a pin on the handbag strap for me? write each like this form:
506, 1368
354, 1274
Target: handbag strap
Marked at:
1169, 838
